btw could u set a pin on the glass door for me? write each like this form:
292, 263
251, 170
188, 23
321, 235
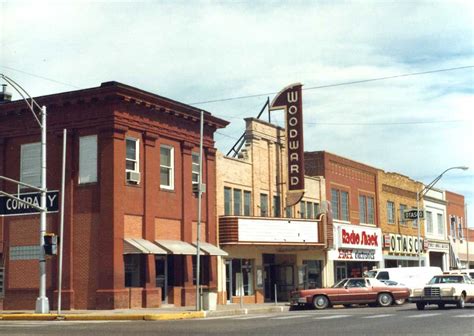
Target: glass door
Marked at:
161, 278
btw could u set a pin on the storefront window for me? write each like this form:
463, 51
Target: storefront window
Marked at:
242, 277
204, 267
133, 270
313, 274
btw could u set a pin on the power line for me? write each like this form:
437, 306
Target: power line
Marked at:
38, 76
387, 123
338, 84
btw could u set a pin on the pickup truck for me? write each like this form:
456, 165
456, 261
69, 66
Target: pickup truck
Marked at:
457, 289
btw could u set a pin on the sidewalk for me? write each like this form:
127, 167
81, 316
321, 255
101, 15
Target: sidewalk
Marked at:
153, 314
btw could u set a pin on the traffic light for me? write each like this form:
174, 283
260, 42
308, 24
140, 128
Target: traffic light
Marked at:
50, 244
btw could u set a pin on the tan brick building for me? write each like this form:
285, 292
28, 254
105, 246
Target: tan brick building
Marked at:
268, 244
397, 193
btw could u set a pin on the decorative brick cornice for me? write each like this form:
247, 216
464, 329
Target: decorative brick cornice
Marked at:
149, 139
117, 132
187, 147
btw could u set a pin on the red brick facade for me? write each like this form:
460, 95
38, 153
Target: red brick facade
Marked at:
97, 214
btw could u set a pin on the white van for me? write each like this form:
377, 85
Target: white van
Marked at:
410, 277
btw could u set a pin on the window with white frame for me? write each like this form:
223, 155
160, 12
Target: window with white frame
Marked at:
30, 164
132, 155
195, 167
166, 167
390, 212
401, 214
440, 223
453, 226
88, 159
429, 221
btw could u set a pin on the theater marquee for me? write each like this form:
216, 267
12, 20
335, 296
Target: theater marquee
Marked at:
290, 100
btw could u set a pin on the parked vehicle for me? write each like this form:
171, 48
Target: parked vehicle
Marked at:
411, 277
351, 291
469, 272
395, 283
445, 289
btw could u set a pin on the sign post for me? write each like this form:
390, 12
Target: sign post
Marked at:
411, 214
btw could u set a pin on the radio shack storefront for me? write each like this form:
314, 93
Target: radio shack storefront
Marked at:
402, 251
356, 249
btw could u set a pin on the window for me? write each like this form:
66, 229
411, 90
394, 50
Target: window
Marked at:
276, 206
303, 209
289, 212
88, 159
316, 210
30, 164
401, 215
370, 210
309, 210
133, 270
340, 204
247, 203
440, 223
195, 167
363, 209
132, 155
242, 277
453, 226
237, 202
390, 212
227, 201
460, 235
429, 221
263, 205
204, 262
167, 167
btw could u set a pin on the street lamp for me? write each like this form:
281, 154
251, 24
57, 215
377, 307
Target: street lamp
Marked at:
42, 303
421, 194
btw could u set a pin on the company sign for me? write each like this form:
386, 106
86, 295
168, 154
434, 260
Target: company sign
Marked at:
13, 207
397, 243
355, 254
359, 237
290, 100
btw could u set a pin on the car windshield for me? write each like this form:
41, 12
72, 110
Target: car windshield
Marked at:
340, 284
445, 279
370, 274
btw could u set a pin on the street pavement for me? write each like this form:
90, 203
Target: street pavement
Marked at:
395, 320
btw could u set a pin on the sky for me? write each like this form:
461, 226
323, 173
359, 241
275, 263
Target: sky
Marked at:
202, 51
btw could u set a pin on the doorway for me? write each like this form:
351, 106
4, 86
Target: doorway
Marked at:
161, 269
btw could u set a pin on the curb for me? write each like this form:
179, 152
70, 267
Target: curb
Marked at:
246, 311
115, 317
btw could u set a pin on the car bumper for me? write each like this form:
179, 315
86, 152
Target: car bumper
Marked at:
433, 299
298, 301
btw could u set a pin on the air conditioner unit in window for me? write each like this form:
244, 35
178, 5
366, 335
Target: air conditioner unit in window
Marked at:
133, 177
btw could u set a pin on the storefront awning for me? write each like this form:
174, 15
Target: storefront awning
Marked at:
177, 247
141, 246
211, 249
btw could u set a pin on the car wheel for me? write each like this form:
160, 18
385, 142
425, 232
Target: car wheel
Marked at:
320, 302
384, 300
420, 305
440, 305
461, 302
400, 301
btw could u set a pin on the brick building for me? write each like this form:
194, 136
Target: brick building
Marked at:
354, 241
130, 212
397, 193
271, 246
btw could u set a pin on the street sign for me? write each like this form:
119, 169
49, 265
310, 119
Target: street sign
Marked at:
411, 214
12, 207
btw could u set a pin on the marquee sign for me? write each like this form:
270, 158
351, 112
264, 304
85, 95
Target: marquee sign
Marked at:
290, 99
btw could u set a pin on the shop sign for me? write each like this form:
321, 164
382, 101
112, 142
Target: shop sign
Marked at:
353, 236
355, 254
403, 244
438, 245
290, 100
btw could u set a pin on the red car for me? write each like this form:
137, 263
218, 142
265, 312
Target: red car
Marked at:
351, 291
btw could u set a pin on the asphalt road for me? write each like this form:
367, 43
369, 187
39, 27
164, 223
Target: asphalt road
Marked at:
396, 320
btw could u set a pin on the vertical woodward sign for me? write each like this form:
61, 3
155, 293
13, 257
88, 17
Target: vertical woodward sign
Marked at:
290, 100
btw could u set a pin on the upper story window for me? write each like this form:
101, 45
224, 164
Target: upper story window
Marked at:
453, 226
440, 223
390, 212
237, 202
30, 164
340, 204
401, 214
276, 206
132, 154
166, 167
88, 159
289, 212
302, 209
227, 201
309, 210
264, 205
460, 233
195, 167
429, 221
247, 203
366, 209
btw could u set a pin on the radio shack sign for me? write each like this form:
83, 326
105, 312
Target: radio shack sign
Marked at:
291, 101
13, 207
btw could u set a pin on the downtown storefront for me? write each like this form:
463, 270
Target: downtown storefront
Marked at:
356, 249
402, 250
